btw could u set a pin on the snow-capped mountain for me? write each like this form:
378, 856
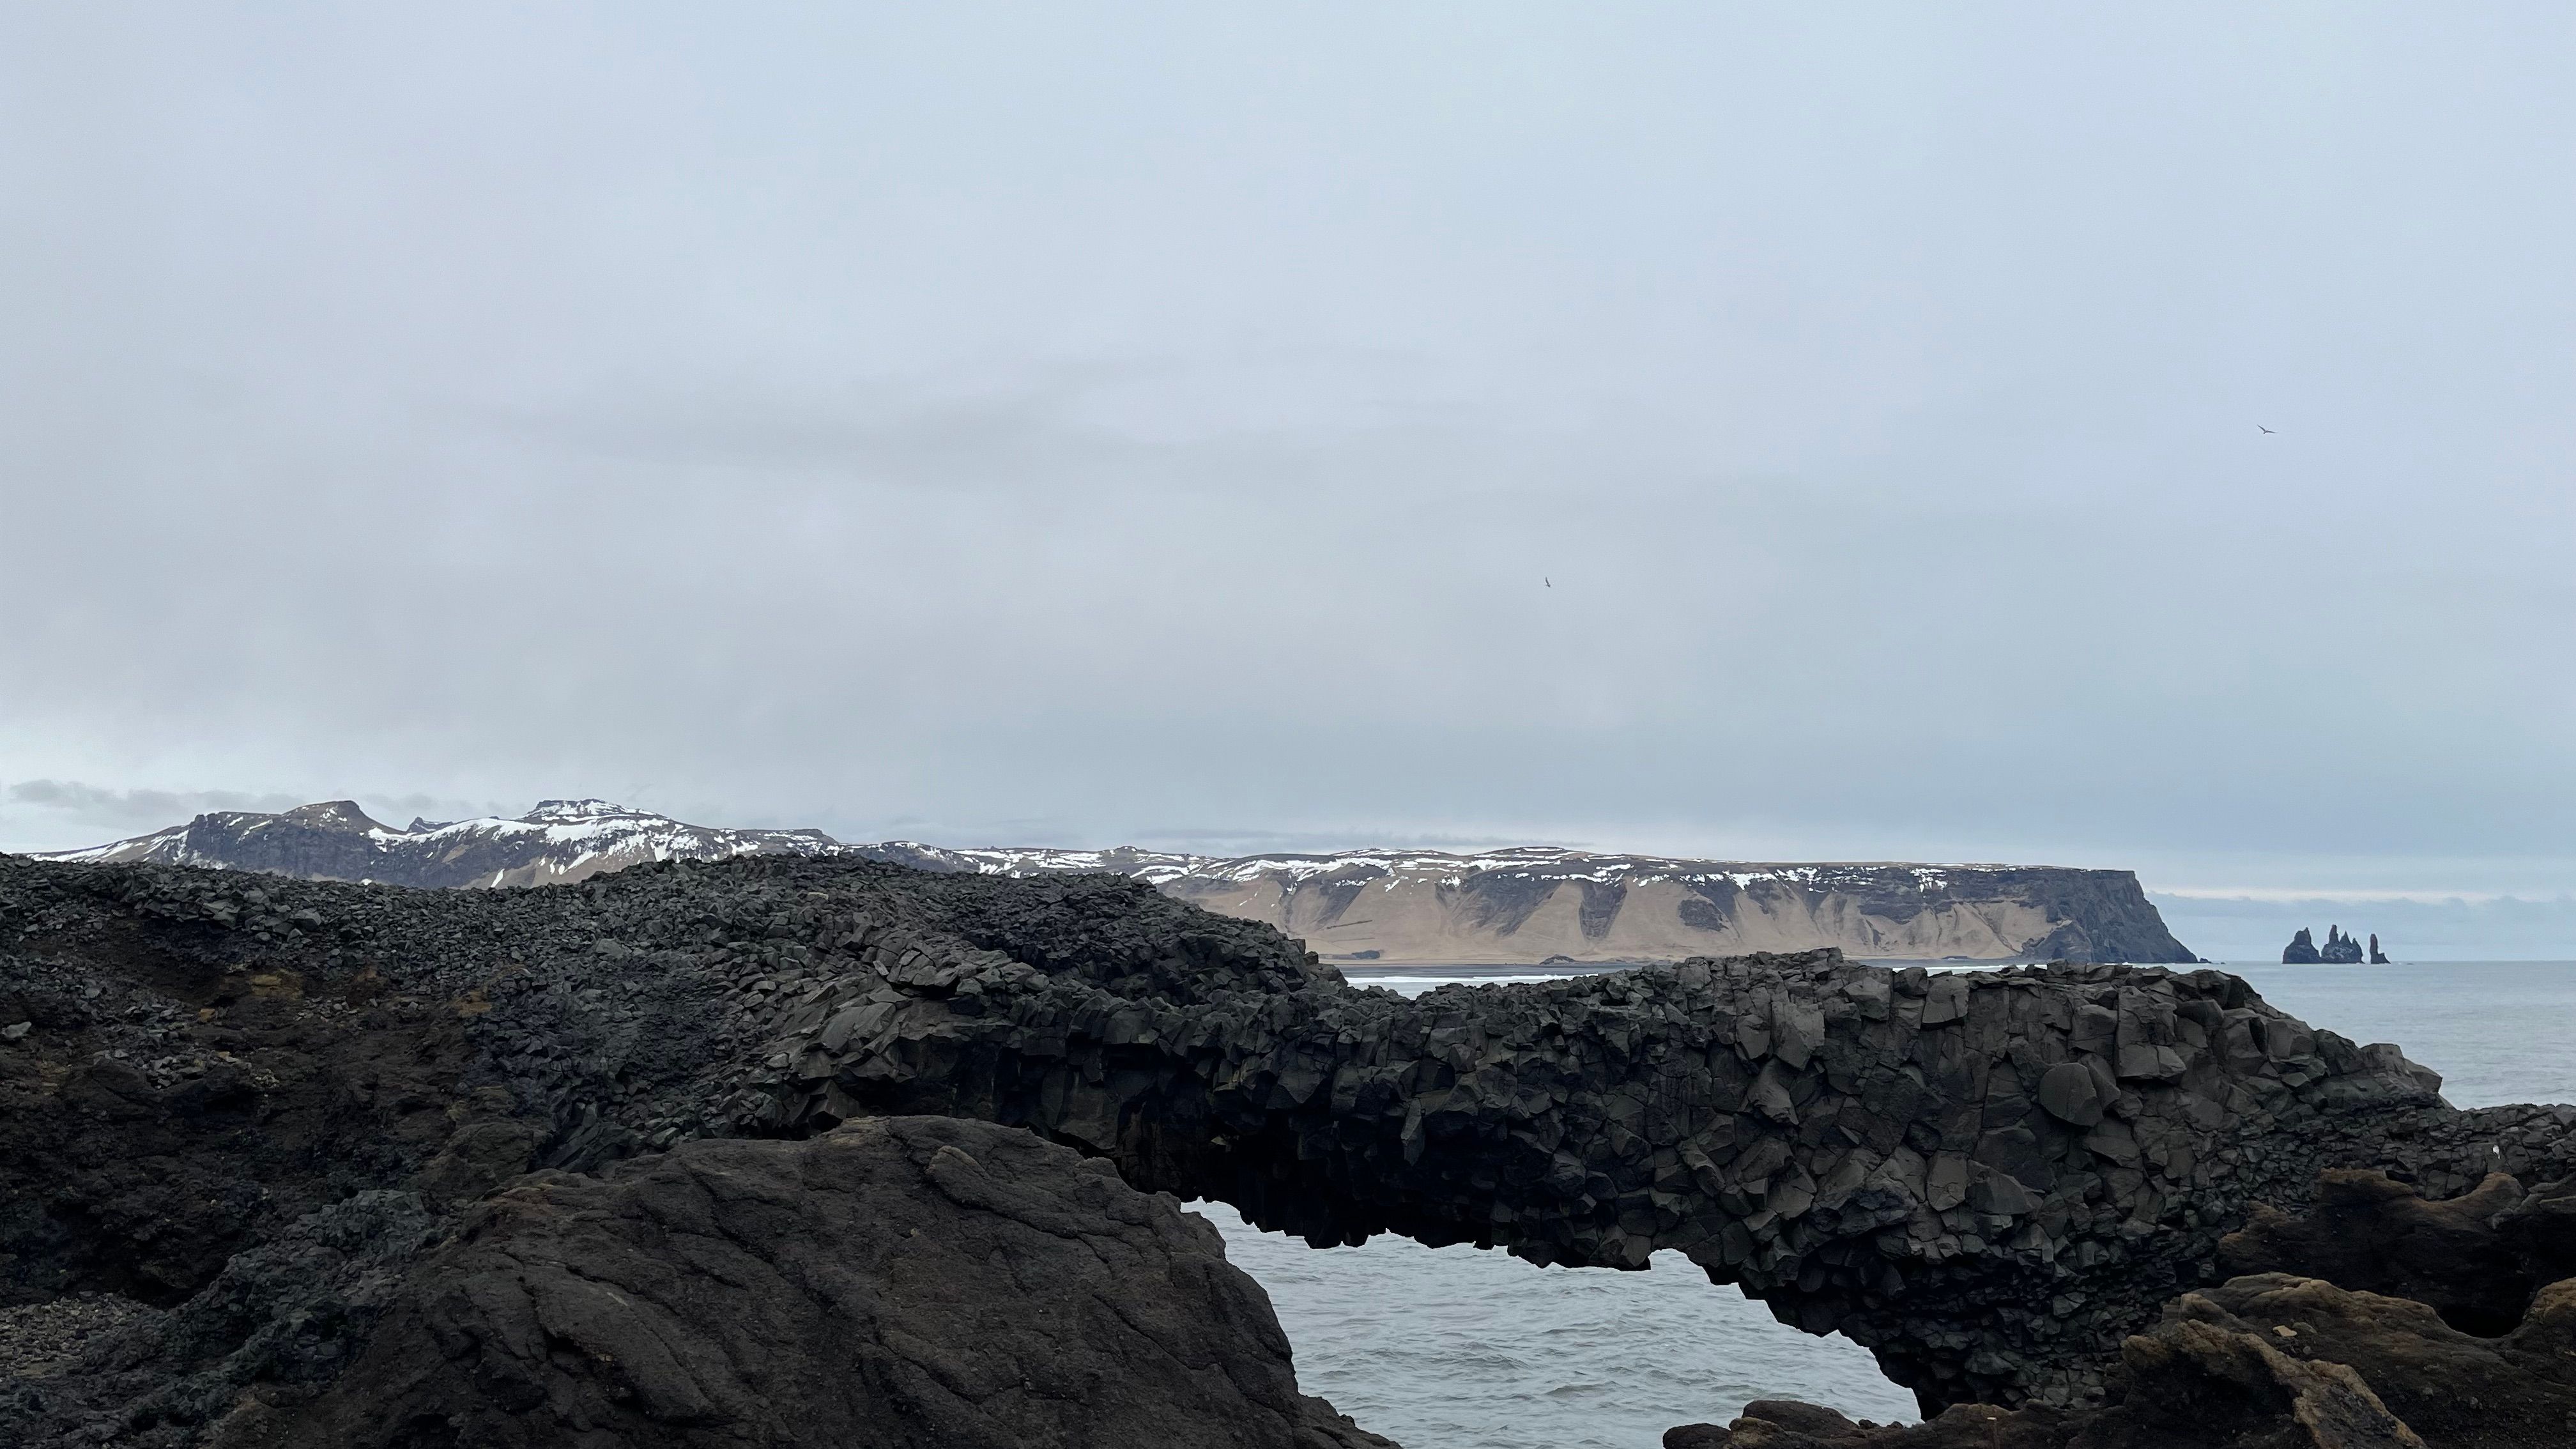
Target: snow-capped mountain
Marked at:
560, 840
1154, 867
1521, 906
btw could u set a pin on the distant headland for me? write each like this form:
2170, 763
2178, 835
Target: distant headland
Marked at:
1527, 906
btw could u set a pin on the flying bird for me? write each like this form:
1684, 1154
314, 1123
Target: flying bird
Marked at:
1542, 578
2258, 427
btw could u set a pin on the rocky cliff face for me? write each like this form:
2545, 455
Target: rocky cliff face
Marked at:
1530, 905
1521, 906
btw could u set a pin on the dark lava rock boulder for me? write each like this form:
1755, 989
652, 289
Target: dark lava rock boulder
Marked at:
896, 1282
280, 1320
2478, 1259
2377, 1318
2455, 1390
2201, 1379
2261, 1362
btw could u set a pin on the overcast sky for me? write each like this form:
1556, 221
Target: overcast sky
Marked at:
1767, 431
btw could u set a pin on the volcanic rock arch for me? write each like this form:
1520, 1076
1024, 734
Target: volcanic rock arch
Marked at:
1988, 1178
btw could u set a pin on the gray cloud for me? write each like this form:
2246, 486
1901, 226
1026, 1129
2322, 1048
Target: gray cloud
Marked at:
162, 807
996, 426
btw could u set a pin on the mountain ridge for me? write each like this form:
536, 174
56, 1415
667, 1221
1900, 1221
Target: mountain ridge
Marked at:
1521, 905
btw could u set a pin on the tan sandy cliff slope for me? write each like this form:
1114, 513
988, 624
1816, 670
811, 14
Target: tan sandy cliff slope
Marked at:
1507, 907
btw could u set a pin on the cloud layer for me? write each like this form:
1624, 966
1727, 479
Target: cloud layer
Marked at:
992, 425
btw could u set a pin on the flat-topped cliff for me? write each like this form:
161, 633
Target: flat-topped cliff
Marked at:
1533, 904
1519, 906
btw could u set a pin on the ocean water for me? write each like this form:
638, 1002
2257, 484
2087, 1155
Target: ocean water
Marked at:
1452, 1348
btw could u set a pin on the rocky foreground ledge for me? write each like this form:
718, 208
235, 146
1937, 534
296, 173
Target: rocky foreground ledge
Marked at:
915, 1282
259, 1135
2381, 1320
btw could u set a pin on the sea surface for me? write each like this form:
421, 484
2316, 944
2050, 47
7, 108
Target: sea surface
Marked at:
1452, 1348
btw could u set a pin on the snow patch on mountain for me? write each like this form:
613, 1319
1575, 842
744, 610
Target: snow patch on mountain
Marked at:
1521, 904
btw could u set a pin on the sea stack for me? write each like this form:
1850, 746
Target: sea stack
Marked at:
2302, 950
2340, 949
2376, 958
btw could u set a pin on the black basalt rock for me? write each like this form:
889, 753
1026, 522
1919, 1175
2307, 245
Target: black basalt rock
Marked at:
2479, 1259
1990, 1178
2339, 949
2382, 1319
2302, 950
910, 1283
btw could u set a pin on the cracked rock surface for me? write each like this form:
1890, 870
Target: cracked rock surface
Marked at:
2363, 1347
2478, 1259
1991, 1179
908, 1282
2267, 1361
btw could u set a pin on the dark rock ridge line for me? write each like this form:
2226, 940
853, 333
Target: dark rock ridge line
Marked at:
1523, 905
1990, 1178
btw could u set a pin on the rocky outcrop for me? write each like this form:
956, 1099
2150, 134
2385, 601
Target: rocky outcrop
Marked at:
2376, 957
2203, 1378
2209, 1376
234, 1113
1991, 1178
915, 1283
902, 1282
2478, 1259
2406, 1322
279, 1321
1525, 905
2339, 949
2265, 1362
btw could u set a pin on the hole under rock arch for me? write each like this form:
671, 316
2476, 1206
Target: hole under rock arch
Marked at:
1458, 1346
